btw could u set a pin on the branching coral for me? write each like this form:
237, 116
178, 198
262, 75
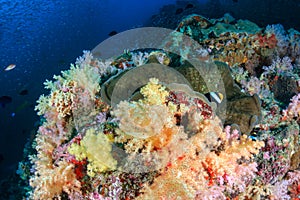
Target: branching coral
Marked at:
85, 77
79, 83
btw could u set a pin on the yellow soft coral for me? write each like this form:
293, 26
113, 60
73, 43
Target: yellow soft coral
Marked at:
147, 117
154, 93
96, 147
148, 122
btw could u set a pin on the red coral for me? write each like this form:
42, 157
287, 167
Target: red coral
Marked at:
295, 192
177, 98
267, 41
80, 168
207, 165
199, 105
206, 110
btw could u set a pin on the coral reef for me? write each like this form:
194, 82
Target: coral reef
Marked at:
170, 139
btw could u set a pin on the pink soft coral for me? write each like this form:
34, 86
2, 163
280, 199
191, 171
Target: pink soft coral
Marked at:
293, 109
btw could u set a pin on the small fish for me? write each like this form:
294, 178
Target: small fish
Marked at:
178, 11
188, 6
23, 92
252, 137
5, 100
112, 33
215, 97
10, 67
22, 106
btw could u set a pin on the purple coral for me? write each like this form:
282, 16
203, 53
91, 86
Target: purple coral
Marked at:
101, 117
279, 66
273, 162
